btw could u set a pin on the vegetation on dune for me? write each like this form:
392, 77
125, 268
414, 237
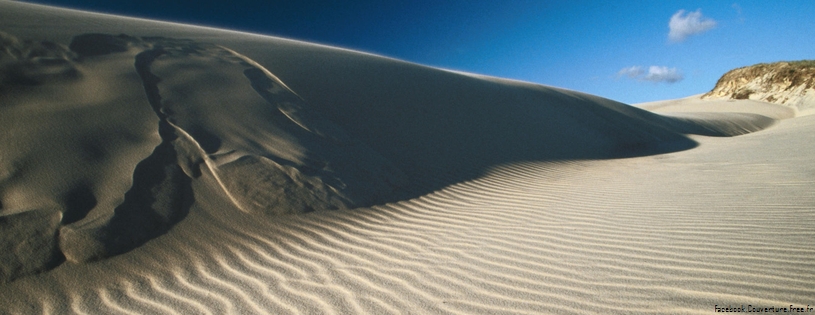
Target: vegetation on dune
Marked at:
766, 78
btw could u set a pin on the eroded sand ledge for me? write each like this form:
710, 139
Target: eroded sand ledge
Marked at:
268, 152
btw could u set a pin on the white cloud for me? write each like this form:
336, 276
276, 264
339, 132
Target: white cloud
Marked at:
654, 74
663, 74
683, 25
631, 72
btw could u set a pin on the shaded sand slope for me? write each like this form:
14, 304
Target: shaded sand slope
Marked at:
145, 166
730, 222
211, 107
351, 129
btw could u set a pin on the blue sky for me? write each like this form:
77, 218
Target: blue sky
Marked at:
622, 50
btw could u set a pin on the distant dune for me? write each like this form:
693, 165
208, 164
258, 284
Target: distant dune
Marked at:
151, 167
786, 83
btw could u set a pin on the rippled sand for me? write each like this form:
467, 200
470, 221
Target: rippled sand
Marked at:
157, 168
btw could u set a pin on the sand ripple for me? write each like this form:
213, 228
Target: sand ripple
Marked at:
528, 238
480, 196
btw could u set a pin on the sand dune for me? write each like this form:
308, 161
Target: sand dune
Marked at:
790, 84
150, 167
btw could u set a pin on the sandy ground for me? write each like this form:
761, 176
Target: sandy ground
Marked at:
157, 168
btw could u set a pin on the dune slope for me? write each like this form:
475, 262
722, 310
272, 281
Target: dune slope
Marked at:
150, 167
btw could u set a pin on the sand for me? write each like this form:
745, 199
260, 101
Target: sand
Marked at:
158, 168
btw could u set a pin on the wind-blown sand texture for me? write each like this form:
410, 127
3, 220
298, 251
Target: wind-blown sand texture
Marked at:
158, 168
